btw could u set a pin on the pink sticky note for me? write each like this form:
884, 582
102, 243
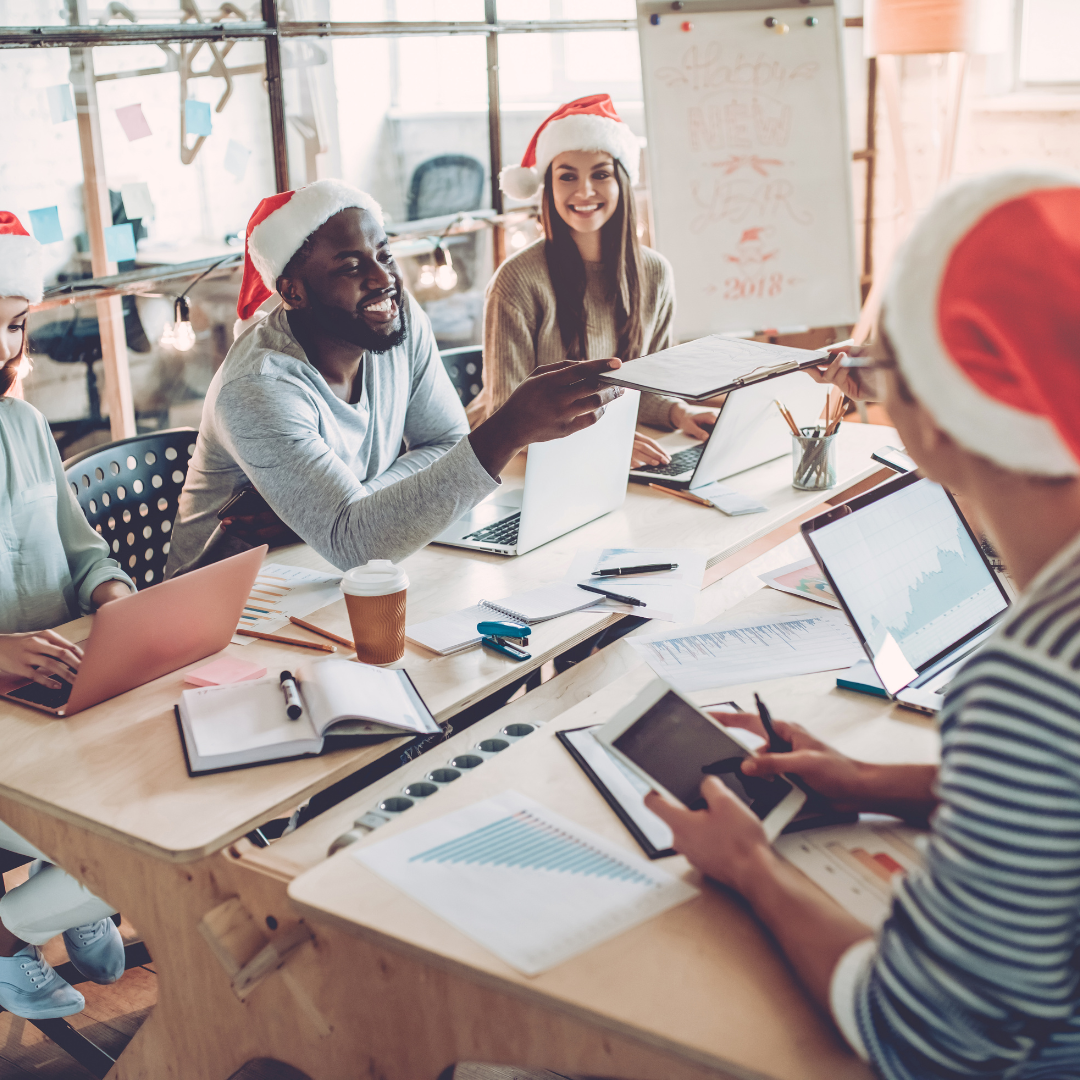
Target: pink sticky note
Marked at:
133, 122
225, 669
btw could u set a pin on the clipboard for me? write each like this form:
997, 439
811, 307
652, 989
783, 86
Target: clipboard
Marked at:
712, 365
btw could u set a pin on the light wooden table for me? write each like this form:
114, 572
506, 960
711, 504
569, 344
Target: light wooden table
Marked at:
105, 793
699, 992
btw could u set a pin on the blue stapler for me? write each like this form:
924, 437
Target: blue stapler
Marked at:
495, 635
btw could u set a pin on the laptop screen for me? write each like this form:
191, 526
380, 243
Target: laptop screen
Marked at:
906, 565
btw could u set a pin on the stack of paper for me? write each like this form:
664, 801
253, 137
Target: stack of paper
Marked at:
740, 650
522, 881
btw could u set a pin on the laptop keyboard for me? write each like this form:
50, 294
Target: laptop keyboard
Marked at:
504, 533
683, 462
37, 694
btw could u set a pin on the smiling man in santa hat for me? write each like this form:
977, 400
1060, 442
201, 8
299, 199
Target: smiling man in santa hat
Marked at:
336, 407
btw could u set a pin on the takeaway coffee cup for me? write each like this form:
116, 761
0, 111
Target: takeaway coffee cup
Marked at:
375, 598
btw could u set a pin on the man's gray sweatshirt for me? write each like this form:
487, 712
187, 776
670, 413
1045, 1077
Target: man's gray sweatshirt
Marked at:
374, 480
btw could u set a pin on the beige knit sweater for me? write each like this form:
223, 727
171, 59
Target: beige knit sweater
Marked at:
521, 332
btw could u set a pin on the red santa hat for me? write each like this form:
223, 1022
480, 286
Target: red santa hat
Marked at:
20, 260
590, 123
281, 224
983, 314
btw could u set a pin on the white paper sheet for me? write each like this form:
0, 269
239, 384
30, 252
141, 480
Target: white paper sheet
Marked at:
802, 578
280, 591
741, 650
522, 881
856, 864
670, 596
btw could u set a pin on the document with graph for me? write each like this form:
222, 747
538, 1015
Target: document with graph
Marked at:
524, 882
856, 864
738, 650
280, 591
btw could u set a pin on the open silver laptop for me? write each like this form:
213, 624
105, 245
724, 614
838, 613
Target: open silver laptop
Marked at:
148, 634
914, 583
568, 482
748, 432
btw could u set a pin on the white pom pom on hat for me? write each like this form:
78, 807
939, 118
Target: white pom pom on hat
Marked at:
280, 225
21, 272
589, 123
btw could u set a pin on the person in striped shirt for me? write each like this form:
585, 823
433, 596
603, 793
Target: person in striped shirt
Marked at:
976, 971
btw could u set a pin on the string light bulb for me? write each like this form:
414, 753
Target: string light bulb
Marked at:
179, 334
427, 275
445, 274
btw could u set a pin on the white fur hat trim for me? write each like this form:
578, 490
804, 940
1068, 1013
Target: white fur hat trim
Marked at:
1011, 438
20, 267
277, 238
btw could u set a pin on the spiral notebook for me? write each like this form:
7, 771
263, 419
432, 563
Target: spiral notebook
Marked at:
452, 633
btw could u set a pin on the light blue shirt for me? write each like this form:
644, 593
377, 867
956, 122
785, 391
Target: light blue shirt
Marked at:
51, 560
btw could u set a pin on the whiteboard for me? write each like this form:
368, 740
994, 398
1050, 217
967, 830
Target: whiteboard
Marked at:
750, 164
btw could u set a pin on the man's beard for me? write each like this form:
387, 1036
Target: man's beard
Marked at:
352, 328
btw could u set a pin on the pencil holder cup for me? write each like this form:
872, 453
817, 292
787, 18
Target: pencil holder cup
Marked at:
813, 460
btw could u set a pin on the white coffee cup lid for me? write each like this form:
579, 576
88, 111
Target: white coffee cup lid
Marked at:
375, 578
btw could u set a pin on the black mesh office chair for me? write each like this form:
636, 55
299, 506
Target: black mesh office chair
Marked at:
129, 491
465, 366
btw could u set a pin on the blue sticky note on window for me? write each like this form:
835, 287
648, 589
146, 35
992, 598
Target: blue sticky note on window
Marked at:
197, 117
120, 242
61, 105
46, 225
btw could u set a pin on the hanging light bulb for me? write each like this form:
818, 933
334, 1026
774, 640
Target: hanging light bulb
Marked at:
427, 275
517, 239
445, 274
181, 333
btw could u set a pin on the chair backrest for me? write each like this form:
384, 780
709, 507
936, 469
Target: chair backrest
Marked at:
465, 366
444, 185
129, 491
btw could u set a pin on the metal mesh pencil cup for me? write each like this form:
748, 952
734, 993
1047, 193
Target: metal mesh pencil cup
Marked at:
813, 460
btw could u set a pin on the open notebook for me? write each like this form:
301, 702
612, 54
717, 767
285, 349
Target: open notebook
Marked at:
452, 633
345, 703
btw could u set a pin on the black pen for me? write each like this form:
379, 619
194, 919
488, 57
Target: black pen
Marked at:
613, 595
650, 568
293, 705
776, 744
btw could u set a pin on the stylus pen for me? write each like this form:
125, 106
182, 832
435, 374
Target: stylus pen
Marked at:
648, 568
293, 705
613, 595
776, 744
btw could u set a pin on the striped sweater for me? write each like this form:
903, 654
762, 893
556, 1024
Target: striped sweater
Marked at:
977, 971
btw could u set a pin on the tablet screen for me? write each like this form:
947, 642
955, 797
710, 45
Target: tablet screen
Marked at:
677, 746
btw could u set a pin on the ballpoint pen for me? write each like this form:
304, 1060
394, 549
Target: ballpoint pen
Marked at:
648, 568
613, 595
777, 745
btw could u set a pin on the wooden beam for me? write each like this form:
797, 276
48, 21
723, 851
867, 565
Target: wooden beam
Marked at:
110, 312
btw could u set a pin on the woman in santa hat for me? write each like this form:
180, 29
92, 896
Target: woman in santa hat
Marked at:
976, 971
588, 288
55, 567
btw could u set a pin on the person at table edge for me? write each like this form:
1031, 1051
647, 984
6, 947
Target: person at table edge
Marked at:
336, 406
975, 972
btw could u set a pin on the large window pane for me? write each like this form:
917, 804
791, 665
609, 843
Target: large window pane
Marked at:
1050, 42
405, 119
382, 10
65, 12
161, 210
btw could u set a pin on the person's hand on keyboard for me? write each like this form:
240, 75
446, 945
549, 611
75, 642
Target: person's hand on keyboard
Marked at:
647, 452
698, 423
40, 656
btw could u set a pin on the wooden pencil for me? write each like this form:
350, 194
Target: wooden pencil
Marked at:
349, 644
786, 414
318, 646
680, 494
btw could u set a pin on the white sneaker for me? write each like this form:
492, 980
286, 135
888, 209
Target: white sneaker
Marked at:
29, 987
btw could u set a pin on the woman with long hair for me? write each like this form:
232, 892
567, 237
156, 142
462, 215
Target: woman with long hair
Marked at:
55, 568
588, 288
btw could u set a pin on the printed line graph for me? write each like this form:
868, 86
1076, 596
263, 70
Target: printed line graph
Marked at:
524, 840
